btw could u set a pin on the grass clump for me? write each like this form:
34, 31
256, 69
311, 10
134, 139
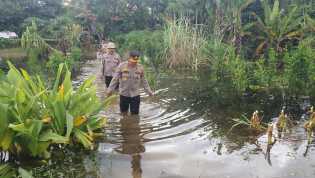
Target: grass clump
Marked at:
185, 44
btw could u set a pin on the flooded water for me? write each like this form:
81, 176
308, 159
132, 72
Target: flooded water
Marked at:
184, 132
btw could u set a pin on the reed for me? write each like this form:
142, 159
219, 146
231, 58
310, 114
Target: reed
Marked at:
270, 134
310, 125
184, 44
282, 121
254, 123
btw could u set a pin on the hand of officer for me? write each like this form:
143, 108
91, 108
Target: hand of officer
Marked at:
151, 94
109, 93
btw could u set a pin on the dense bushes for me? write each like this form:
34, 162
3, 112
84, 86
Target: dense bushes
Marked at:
293, 74
72, 60
291, 70
150, 43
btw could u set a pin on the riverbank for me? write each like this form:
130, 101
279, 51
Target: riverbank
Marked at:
13, 53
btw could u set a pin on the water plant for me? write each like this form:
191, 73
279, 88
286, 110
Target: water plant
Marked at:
35, 117
283, 122
310, 125
254, 123
271, 141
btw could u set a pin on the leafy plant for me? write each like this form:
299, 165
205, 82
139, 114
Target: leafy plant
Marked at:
72, 33
56, 58
271, 140
282, 121
254, 123
310, 125
150, 43
299, 69
238, 69
6, 171
9, 171
277, 27
76, 54
31, 39
34, 117
9, 43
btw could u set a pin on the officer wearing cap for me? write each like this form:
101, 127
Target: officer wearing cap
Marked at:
110, 61
130, 77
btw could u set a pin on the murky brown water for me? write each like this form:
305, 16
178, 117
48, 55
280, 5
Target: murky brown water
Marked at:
181, 134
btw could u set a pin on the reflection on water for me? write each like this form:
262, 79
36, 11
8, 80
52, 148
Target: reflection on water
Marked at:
132, 142
267, 157
183, 133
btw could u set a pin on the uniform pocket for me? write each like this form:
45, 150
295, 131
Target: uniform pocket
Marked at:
138, 75
125, 75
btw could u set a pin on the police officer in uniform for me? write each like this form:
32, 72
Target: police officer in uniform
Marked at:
110, 61
130, 77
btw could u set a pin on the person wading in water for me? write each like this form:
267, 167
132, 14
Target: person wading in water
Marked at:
130, 77
110, 61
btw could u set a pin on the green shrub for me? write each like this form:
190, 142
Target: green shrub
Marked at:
76, 54
266, 74
263, 74
219, 55
34, 116
150, 43
300, 65
239, 71
56, 58
9, 43
34, 64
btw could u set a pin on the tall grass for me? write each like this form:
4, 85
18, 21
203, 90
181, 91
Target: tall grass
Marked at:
184, 44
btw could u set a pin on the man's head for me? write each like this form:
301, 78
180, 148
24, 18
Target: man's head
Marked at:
111, 47
134, 57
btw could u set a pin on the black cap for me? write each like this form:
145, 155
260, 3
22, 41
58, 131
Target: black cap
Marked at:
134, 53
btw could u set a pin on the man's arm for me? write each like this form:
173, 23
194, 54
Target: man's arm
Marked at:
103, 67
115, 81
118, 58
